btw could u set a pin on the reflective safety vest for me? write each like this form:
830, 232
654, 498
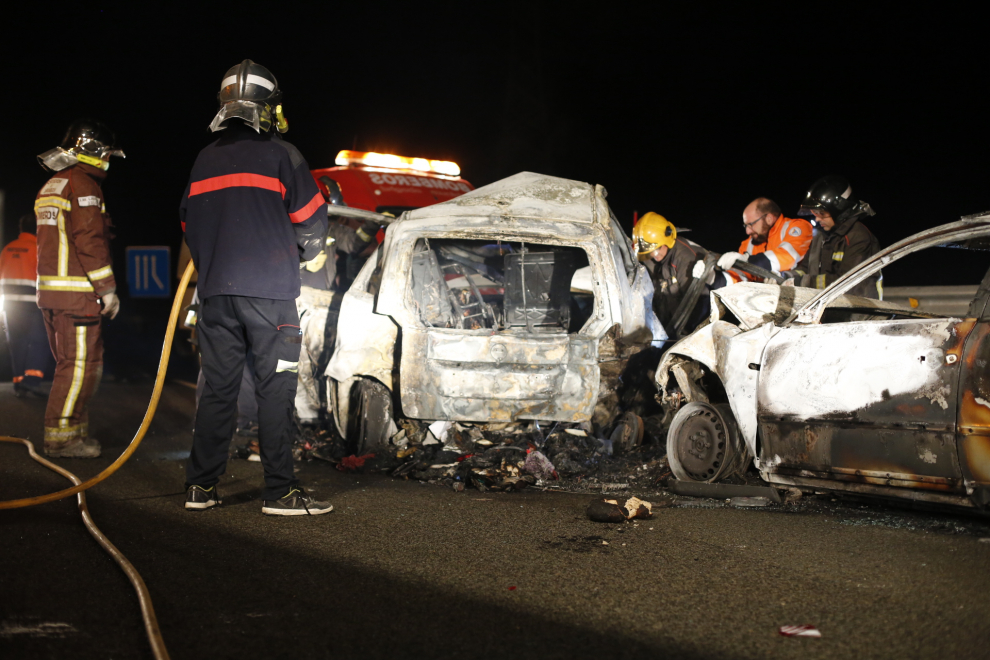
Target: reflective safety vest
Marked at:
19, 269
786, 244
73, 241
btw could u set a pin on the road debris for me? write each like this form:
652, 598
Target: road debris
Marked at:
610, 511
799, 631
749, 502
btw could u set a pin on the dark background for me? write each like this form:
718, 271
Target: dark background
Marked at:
689, 110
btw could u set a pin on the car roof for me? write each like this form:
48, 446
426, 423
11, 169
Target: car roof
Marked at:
524, 195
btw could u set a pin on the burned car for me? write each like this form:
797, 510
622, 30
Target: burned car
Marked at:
520, 300
822, 390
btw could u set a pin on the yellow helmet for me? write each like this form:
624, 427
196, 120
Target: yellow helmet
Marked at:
651, 232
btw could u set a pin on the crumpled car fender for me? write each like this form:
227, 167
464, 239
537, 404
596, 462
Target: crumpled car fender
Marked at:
727, 352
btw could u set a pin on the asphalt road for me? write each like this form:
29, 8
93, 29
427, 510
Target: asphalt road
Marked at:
403, 569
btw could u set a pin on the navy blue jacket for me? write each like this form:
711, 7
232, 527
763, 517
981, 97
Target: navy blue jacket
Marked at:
251, 212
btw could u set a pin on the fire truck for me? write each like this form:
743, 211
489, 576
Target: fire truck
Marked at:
386, 183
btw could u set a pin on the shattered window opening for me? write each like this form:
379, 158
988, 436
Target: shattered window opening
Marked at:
954, 297
499, 285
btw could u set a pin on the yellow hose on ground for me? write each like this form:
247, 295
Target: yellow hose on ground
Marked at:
144, 598
145, 423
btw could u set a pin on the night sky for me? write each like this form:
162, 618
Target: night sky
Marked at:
681, 109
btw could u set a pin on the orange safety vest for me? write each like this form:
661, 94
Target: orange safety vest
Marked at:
786, 244
19, 269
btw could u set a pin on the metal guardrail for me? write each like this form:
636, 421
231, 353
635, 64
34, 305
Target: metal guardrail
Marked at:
941, 300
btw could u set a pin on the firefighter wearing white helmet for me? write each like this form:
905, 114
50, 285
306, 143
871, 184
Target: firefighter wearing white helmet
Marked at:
670, 261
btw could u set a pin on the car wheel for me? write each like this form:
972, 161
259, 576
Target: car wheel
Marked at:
370, 418
703, 443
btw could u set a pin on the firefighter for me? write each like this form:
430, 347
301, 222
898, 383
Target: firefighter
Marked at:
671, 262
24, 323
319, 300
251, 212
843, 241
76, 285
773, 242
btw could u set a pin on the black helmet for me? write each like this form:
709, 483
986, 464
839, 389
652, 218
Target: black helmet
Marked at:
250, 92
831, 194
87, 141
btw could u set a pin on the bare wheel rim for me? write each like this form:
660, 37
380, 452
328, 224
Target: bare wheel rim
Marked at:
700, 443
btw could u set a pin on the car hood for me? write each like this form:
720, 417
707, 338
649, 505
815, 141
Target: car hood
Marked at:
753, 304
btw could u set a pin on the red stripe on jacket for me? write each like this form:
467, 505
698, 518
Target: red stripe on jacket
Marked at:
307, 211
242, 180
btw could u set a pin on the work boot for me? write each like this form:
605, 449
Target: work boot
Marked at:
40, 389
199, 498
296, 503
74, 448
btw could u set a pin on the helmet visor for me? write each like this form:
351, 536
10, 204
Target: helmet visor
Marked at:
645, 247
256, 115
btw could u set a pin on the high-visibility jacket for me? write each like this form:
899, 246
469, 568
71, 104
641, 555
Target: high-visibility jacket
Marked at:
785, 247
74, 267
19, 269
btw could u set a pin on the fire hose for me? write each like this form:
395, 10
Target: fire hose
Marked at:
78, 487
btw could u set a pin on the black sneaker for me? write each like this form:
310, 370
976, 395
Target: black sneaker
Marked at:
199, 498
296, 503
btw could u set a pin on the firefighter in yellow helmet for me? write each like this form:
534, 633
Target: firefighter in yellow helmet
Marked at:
670, 261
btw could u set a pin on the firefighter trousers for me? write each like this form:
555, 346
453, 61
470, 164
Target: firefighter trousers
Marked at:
77, 343
228, 327
30, 354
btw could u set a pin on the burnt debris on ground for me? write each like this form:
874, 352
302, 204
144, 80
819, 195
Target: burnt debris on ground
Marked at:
506, 456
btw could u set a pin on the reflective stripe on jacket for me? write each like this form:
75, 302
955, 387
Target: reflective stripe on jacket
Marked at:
251, 211
73, 241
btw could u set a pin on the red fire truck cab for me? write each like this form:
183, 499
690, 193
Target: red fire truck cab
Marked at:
385, 183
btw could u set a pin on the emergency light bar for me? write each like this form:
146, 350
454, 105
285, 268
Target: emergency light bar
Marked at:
391, 161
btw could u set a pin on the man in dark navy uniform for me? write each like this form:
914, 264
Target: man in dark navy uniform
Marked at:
251, 213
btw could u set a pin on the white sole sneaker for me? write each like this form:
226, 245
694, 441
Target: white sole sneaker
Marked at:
199, 506
277, 511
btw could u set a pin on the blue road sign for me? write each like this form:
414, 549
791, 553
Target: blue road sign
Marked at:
148, 271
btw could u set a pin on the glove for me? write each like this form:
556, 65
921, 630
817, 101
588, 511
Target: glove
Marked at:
727, 260
368, 231
111, 304
316, 265
699, 270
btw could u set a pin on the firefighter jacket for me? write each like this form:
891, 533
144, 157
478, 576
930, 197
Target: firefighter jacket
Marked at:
672, 277
787, 243
251, 212
73, 241
834, 253
19, 269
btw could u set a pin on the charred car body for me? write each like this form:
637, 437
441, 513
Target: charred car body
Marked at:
517, 301
826, 391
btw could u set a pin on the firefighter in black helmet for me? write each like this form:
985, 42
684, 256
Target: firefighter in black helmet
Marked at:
842, 241
251, 213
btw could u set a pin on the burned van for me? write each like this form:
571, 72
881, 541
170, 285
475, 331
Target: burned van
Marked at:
500, 305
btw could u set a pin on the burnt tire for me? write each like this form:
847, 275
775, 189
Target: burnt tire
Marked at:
370, 419
704, 443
